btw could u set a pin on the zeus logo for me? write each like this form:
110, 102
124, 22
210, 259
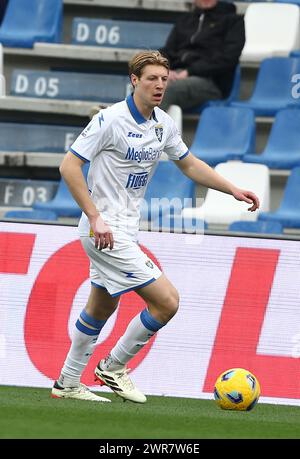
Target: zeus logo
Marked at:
136, 181
133, 134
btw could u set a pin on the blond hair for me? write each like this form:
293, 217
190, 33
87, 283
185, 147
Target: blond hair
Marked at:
143, 58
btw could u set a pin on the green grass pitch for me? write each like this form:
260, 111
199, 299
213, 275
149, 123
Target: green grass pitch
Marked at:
32, 413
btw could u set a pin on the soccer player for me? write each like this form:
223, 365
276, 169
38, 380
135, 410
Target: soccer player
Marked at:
123, 144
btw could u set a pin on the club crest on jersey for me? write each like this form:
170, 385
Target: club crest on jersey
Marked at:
159, 130
149, 264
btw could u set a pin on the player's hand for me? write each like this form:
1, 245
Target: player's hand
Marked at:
182, 75
247, 196
102, 233
173, 75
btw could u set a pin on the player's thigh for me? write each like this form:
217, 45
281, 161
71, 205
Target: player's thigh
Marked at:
161, 296
100, 303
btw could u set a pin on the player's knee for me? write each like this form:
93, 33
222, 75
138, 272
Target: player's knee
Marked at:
170, 304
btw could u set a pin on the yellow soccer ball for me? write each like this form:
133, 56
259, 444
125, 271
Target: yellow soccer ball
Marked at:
237, 389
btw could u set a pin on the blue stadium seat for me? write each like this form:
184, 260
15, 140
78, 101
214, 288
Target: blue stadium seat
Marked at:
223, 134
233, 96
69, 85
259, 226
31, 215
283, 147
169, 185
119, 34
288, 213
273, 86
30, 21
295, 53
63, 203
36, 137
295, 2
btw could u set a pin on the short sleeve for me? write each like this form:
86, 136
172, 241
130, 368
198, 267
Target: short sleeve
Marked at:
175, 148
93, 138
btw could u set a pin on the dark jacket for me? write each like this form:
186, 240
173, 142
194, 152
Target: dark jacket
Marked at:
215, 49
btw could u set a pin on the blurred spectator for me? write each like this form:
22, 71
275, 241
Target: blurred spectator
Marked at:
3, 5
203, 48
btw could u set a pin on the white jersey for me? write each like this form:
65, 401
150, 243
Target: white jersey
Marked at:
123, 149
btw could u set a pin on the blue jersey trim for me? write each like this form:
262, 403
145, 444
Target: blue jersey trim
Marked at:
134, 288
134, 111
138, 117
79, 156
184, 155
98, 286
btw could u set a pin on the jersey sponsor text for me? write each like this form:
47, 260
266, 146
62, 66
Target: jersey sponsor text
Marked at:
136, 181
150, 154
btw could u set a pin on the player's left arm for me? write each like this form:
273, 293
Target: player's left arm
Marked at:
203, 174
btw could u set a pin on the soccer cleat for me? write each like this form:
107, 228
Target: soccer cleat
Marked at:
81, 392
120, 383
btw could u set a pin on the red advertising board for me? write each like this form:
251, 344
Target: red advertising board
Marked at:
239, 307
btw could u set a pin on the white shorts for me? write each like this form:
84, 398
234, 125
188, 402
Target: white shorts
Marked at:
126, 267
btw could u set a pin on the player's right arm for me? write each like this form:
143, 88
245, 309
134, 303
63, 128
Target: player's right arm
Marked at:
71, 170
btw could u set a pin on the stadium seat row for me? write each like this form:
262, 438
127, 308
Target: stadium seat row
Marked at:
222, 134
24, 24
34, 21
266, 99
69, 85
168, 204
27, 137
174, 223
228, 133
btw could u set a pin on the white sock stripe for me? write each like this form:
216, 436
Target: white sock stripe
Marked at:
86, 324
